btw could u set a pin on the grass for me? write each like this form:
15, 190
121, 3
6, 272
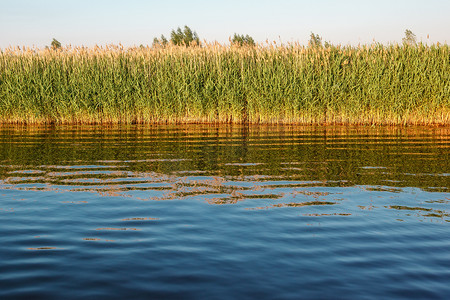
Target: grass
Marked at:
294, 84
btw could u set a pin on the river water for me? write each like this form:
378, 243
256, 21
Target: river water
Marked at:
224, 212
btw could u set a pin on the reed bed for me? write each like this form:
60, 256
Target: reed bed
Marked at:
373, 84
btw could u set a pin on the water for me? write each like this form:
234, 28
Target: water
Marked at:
228, 212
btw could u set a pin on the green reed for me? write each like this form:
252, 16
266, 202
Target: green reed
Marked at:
373, 84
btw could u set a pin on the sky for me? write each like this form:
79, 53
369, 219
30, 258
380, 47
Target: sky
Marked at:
135, 22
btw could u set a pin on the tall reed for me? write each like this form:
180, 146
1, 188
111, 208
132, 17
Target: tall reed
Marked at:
371, 84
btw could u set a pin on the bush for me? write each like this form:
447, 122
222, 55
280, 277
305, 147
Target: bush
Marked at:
241, 40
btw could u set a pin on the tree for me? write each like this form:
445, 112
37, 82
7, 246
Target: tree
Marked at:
55, 44
241, 40
315, 40
185, 37
410, 38
161, 42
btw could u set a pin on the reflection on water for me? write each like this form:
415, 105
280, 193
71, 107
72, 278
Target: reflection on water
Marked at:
309, 201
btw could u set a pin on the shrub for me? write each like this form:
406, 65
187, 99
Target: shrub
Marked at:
241, 40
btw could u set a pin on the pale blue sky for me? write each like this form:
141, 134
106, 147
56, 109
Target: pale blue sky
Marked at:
135, 22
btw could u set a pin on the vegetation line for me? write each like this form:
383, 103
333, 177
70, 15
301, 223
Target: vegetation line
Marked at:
241, 82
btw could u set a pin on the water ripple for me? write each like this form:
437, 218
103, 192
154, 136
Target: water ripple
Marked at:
224, 212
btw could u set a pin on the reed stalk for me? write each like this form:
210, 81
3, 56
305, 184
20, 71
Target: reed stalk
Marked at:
371, 84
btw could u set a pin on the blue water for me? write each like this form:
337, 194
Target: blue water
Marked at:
224, 212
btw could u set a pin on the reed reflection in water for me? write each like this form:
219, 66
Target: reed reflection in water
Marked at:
198, 211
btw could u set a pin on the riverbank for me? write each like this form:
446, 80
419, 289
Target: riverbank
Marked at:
375, 84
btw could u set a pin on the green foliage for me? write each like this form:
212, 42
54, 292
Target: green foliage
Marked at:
161, 42
185, 37
55, 44
410, 38
315, 40
241, 40
286, 84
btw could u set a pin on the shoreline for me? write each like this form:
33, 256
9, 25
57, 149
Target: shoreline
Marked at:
218, 123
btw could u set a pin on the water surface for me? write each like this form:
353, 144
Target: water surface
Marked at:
223, 212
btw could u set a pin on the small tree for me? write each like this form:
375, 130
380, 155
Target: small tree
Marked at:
161, 42
55, 44
410, 38
241, 40
185, 36
315, 40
